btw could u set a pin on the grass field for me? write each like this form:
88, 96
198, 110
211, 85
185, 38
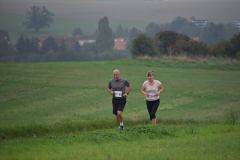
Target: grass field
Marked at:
61, 110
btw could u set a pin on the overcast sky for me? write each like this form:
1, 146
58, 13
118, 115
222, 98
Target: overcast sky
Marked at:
160, 11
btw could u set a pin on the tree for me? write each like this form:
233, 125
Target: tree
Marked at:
20, 46
143, 45
119, 31
49, 45
77, 47
104, 38
221, 49
133, 33
38, 18
5, 45
77, 32
182, 25
152, 29
173, 43
27, 45
165, 42
191, 47
235, 41
213, 33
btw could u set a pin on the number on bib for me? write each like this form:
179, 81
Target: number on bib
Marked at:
118, 94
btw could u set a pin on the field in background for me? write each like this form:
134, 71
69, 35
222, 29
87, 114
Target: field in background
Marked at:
61, 110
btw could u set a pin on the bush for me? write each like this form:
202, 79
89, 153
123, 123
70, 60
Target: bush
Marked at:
143, 45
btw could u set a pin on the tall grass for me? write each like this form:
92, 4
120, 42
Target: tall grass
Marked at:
48, 97
138, 142
62, 110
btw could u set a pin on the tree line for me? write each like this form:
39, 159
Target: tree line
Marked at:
171, 44
179, 37
209, 33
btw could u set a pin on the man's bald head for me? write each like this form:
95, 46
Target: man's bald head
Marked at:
116, 74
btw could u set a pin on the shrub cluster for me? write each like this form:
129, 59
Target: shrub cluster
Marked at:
171, 43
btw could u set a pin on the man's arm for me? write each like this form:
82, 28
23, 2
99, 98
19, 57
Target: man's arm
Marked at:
110, 89
129, 89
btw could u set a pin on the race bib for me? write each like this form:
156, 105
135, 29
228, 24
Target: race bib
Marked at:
118, 94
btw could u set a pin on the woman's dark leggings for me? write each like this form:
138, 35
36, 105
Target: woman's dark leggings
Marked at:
152, 107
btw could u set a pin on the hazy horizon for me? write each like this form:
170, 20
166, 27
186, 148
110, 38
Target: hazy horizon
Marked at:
161, 11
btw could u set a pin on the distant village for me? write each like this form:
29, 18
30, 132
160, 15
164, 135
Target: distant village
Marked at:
120, 43
200, 32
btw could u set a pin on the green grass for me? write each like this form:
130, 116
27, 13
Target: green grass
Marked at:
139, 142
62, 110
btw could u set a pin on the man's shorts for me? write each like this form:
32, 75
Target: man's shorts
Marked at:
118, 104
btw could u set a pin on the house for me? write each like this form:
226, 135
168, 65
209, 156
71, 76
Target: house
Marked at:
82, 40
68, 41
202, 23
236, 23
196, 39
120, 43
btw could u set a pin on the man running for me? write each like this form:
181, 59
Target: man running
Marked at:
117, 88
